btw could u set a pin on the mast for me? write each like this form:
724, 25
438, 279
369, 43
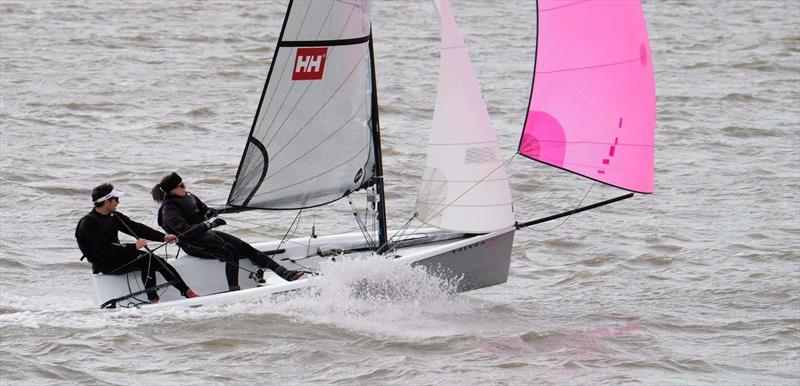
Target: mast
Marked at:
376, 140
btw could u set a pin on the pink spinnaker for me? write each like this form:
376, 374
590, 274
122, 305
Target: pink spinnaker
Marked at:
592, 107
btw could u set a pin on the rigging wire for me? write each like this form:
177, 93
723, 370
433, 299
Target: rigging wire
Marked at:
402, 232
361, 225
502, 164
296, 224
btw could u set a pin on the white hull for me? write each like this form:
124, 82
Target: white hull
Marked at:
476, 261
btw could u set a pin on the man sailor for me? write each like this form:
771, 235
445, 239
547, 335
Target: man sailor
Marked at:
98, 240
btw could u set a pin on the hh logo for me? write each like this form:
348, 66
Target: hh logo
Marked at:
309, 63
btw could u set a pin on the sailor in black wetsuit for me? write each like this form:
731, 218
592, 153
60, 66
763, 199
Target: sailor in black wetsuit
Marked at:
184, 214
98, 240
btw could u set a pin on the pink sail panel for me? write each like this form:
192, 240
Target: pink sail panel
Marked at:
592, 107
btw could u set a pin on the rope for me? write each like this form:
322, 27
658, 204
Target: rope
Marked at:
295, 223
568, 217
313, 232
150, 253
286, 235
245, 221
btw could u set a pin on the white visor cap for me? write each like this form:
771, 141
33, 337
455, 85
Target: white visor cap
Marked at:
114, 193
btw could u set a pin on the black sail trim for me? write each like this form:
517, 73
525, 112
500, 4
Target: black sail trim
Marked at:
324, 43
260, 146
533, 81
583, 175
260, 103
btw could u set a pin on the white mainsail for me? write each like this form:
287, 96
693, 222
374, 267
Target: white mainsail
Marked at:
311, 141
464, 186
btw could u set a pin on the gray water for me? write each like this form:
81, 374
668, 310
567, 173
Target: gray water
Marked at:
698, 283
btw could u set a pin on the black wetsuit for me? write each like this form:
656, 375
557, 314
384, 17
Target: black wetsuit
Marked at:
98, 239
185, 216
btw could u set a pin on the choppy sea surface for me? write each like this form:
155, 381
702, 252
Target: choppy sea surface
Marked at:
698, 283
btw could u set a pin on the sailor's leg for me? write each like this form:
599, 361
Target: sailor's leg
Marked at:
170, 274
247, 250
148, 269
210, 247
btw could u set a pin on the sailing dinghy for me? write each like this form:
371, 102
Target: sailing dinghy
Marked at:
315, 139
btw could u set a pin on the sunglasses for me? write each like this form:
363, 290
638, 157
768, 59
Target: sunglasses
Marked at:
114, 198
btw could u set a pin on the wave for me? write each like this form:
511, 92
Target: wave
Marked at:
179, 125
564, 243
654, 259
76, 264
698, 65
231, 74
211, 181
86, 106
13, 263
61, 190
740, 97
756, 64
202, 112
750, 132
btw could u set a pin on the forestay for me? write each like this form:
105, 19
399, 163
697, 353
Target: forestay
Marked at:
592, 108
464, 185
311, 140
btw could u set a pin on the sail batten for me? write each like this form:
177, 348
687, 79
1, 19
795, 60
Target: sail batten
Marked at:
592, 104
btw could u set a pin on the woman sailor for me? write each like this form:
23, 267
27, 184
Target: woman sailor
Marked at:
183, 214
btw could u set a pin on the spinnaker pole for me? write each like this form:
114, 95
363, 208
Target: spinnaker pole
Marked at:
576, 210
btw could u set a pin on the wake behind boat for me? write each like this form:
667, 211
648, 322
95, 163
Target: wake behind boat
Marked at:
316, 139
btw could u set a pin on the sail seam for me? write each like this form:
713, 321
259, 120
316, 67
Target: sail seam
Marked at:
433, 203
452, 202
563, 6
320, 143
461, 144
311, 119
291, 87
583, 175
453, 47
461, 181
637, 59
618, 144
316, 176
